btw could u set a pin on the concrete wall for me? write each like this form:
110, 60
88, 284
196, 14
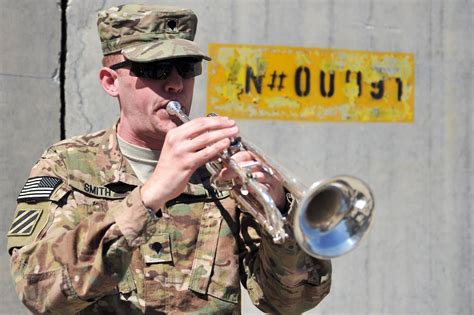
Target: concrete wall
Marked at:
418, 256
30, 46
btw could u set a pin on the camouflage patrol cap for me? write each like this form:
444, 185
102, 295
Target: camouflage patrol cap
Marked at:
145, 33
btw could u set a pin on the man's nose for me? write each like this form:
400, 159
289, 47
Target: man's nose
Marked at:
174, 83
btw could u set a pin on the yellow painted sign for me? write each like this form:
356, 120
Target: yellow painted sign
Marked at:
310, 84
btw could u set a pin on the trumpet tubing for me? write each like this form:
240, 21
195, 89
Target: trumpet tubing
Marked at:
330, 219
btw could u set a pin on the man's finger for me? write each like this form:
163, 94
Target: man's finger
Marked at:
201, 125
209, 138
211, 152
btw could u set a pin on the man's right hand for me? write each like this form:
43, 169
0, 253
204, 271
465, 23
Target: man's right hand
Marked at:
185, 149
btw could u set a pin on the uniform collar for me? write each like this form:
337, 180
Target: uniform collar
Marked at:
113, 167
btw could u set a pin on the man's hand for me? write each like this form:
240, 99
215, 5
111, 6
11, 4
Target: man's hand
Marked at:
270, 182
185, 149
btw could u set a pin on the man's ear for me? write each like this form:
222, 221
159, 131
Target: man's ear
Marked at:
108, 80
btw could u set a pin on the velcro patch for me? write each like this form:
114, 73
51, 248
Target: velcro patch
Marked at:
24, 222
38, 188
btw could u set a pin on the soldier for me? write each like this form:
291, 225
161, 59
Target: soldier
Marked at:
124, 221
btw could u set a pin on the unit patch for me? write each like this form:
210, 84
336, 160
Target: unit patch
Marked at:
24, 222
39, 188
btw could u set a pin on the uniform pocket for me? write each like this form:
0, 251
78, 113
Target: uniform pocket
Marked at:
225, 280
157, 249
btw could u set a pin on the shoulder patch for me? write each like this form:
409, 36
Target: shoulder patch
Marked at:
24, 222
38, 188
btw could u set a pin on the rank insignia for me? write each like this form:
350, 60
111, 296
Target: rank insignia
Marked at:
24, 222
38, 188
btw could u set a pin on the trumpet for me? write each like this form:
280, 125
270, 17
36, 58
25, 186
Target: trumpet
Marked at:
331, 216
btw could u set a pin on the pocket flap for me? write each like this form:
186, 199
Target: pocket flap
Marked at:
157, 249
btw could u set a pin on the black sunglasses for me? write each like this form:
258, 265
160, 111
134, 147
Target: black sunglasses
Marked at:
160, 70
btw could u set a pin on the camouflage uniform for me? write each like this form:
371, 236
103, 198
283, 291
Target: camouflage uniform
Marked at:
83, 242
96, 248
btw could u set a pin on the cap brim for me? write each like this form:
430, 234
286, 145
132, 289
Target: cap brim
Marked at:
163, 49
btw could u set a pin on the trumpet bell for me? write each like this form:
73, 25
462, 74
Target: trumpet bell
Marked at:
333, 216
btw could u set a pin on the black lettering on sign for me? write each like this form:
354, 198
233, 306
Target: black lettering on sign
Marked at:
251, 77
302, 86
307, 85
272, 85
322, 83
282, 77
377, 93
400, 89
359, 80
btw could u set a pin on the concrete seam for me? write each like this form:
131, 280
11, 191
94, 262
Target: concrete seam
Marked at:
62, 71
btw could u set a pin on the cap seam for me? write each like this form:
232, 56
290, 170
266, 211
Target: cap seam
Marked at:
154, 36
140, 35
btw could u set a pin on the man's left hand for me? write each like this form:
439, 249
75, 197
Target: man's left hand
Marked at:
269, 181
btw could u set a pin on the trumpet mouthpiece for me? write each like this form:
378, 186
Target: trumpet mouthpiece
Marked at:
173, 107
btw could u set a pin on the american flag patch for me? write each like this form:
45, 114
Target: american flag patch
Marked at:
24, 222
38, 188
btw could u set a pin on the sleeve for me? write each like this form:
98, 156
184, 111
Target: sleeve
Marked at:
281, 279
69, 258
